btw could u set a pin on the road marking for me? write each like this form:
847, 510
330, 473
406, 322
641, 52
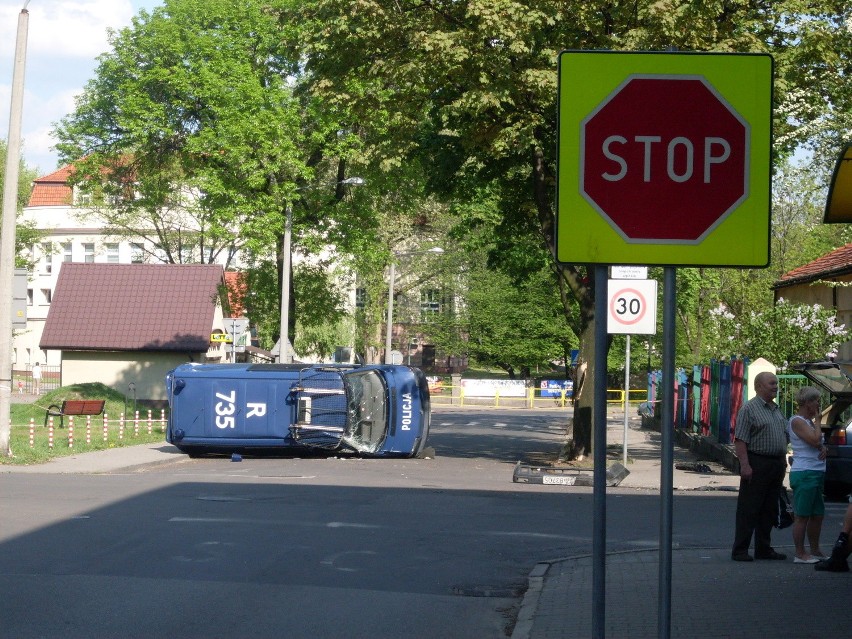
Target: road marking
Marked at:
332, 559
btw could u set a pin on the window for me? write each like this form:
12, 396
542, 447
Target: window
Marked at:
112, 253
82, 198
29, 297
67, 253
137, 253
361, 298
88, 252
47, 254
430, 303
47, 295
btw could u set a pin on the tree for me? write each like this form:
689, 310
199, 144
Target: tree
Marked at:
470, 87
797, 237
26, 234
517, 328
192, 131
784, 334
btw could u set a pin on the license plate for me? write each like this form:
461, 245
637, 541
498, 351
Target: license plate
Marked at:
564, 480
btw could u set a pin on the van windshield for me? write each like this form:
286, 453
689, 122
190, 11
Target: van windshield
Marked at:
366, 410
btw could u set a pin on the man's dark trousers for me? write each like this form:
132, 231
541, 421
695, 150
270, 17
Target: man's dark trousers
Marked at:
757, 504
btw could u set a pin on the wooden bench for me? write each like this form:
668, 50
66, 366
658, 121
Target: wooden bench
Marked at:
74, 407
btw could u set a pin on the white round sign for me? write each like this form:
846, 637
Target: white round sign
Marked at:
632, 307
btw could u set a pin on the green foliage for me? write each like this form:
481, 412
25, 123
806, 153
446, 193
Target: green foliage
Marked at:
26, 233
783, 334
319, 327
514, 326
194, 96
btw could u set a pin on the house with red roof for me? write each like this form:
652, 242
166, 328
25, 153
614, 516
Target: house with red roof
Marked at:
826, 281
124, 324
72, 233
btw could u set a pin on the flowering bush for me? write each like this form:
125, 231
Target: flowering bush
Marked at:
785, 334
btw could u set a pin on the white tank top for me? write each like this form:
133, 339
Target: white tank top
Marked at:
805, 456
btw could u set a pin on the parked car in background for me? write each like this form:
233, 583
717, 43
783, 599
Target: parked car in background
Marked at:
372, 410
836, 378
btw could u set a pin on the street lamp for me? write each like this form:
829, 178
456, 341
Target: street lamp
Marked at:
392, 276
284, 332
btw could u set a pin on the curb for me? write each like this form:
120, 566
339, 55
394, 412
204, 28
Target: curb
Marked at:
529, 605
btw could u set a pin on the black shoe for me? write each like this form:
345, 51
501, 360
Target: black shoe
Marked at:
830, 565
742, 557
771, 555
837, 562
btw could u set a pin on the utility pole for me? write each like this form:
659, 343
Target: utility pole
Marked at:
7, 230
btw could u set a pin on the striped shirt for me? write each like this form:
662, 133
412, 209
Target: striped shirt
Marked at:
762, 427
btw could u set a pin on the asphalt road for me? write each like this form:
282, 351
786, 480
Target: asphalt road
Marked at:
271, 547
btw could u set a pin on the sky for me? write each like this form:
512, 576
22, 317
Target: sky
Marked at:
63, 41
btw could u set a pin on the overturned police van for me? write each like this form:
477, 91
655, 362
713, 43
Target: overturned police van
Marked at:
367, 410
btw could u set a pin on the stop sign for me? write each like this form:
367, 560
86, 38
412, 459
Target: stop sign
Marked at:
664, 158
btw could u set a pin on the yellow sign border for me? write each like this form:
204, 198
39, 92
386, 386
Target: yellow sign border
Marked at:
583, 235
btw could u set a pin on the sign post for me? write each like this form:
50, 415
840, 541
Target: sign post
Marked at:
663, 159
632, 307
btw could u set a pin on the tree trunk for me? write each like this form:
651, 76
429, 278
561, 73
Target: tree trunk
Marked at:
584, 394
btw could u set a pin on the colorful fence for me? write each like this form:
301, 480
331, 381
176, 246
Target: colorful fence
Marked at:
708, 397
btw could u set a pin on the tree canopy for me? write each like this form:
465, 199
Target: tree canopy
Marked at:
449, 106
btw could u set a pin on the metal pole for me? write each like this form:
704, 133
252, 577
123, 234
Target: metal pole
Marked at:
626, 399
599, 455
7, 229
664, 611
284, 350
389, 332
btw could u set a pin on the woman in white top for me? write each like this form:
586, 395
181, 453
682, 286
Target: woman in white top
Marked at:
807, 474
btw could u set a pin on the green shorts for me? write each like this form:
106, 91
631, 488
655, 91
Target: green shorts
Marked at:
807, 488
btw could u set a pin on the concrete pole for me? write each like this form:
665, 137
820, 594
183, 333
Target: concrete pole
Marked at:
284, 340
7, 229
389, 331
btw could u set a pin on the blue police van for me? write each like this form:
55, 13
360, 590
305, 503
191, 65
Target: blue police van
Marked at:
367, 410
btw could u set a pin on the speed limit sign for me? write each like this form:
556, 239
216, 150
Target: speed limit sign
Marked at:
632, 307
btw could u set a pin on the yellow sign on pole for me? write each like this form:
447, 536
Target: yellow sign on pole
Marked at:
664, 158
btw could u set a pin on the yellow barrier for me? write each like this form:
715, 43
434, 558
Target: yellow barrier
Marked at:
447, 395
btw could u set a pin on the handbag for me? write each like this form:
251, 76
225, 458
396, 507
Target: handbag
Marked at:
785, 510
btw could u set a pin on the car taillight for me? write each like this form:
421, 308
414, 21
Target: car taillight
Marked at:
838, 437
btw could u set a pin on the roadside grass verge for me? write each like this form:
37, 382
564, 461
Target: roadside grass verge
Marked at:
30, 439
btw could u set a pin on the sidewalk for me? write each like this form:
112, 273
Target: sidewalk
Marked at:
124, 459
712, 597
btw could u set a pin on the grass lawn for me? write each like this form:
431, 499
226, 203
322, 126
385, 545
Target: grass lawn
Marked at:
31, 439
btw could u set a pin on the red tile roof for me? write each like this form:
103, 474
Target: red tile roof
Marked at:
133, 307
237, 290
835, 264
52, 189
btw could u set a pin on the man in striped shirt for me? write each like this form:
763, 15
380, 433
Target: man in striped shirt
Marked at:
760, 441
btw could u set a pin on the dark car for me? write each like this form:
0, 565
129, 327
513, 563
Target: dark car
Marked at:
836, 378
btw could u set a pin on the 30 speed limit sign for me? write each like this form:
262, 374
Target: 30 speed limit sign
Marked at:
632, 307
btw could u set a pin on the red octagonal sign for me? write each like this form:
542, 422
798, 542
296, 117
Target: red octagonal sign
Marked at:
664, 159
